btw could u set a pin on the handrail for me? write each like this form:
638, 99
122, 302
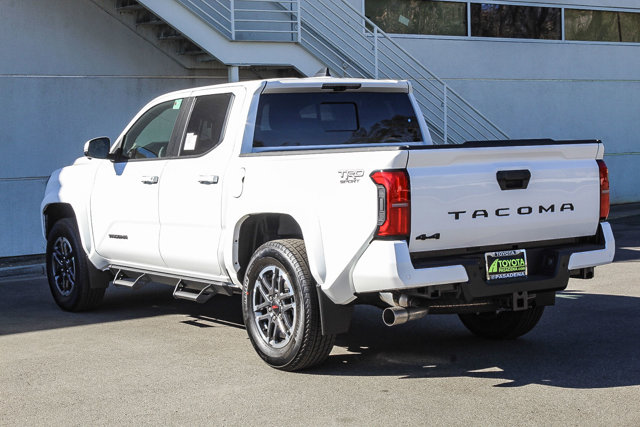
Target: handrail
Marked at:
451, 117
352, 45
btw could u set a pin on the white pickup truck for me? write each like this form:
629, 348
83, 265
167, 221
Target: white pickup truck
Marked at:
308, 196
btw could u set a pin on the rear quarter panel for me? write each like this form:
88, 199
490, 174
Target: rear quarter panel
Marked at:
331, 197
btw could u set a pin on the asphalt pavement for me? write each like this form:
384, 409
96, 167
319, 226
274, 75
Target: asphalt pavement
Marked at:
145, 358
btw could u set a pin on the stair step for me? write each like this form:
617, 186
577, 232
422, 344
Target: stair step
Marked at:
150, 22
130, 8
207, 58
193, 52
178, 37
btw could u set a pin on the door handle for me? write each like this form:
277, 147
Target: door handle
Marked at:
208, 179
149, 180
513, 179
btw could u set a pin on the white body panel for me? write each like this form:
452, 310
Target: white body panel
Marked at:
72, 185
386, 265
337, 220
124, 212
444, 182
183, 227
594, 258
191, 202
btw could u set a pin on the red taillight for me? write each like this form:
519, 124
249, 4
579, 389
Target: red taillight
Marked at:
394, 203
604, 190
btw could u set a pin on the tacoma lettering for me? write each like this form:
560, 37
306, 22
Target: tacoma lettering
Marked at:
522, 210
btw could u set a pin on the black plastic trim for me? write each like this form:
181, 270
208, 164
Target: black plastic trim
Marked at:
548, 266
334, 318
469, 144
502, 143
513, 179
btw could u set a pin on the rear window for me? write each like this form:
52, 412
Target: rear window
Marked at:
334, 118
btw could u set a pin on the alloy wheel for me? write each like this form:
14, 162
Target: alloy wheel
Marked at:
64, 266
274, 306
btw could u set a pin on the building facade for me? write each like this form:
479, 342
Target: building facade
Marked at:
71, 70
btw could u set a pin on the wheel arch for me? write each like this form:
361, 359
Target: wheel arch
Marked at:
253, 230
54, 212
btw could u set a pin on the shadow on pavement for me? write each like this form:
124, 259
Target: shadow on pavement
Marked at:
625, 230
27, 306
585, 341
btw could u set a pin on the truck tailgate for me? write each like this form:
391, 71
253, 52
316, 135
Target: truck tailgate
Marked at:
477, 196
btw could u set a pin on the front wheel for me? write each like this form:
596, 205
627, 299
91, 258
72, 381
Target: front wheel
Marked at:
280, 307
502, 326
68, 269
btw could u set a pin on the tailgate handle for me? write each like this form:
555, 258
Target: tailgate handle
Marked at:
513, 180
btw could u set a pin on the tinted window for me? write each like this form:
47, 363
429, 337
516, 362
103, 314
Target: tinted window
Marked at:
333, 118
206, 123
598, 25
418, 17
525, 22
149, 137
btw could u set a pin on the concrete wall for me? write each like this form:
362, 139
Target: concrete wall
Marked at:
68, 72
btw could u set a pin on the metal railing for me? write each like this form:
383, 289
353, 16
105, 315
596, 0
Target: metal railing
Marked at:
351, 45
250, 20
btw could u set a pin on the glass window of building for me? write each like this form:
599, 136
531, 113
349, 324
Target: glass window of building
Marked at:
603, 26
525, 22
419, 16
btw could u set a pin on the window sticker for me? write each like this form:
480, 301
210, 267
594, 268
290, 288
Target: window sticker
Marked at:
190, 142
404, 20
177, 103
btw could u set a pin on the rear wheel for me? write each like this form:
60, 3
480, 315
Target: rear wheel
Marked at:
281, 309
504, 325
68, 269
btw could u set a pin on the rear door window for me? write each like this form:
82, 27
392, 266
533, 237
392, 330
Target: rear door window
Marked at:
334, 118
206, 124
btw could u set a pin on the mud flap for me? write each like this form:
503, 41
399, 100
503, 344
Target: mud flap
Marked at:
98, 279
335, 318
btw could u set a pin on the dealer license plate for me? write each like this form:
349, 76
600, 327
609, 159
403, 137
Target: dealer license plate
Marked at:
506, 264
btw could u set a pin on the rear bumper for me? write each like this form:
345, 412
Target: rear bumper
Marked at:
387, 266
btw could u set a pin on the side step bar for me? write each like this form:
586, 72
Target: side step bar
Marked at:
122, 280
188, 288
201, 295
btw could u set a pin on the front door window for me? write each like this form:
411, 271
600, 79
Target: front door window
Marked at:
149, 137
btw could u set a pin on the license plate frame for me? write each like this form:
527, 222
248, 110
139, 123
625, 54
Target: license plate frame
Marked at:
501, 265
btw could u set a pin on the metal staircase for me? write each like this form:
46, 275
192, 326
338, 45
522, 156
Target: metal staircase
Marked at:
351, 45
167, 38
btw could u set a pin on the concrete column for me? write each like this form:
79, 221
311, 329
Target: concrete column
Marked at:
234, 73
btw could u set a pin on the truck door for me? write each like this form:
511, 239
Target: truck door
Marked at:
191, 189
124, 202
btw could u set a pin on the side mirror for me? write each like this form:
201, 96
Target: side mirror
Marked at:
97, 148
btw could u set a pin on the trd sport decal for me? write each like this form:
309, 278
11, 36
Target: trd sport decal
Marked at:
350, 176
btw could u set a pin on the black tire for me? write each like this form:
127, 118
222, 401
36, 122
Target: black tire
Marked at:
506, 325
68, 269
283, 317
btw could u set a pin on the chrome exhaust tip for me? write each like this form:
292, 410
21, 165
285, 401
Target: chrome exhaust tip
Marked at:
393, 316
